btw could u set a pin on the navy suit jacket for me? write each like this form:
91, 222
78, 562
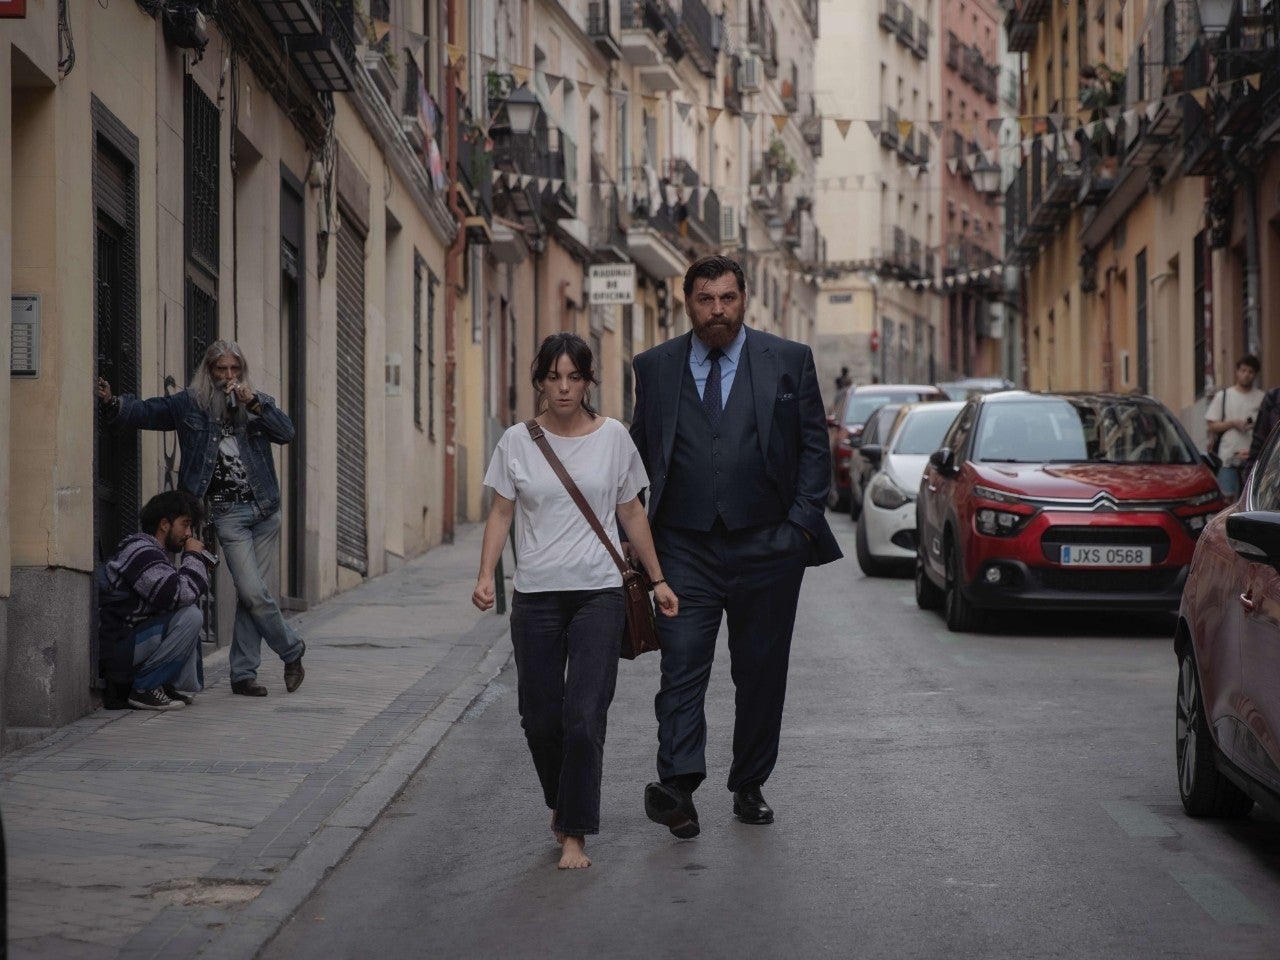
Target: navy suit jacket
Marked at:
790, 421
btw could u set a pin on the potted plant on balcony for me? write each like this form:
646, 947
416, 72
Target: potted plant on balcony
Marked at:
1102, 88
778, 160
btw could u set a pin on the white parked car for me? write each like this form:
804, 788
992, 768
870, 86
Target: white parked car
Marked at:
886, 538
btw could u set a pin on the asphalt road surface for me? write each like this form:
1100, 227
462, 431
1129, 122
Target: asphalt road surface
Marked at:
1009, 794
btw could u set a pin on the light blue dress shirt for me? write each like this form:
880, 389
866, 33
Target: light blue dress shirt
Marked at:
700, 367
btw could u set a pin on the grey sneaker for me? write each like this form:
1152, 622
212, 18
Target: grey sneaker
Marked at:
154, 699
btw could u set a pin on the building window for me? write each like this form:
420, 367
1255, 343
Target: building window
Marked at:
418, 267
201, 177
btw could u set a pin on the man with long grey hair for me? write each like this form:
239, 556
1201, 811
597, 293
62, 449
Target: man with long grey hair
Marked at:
225, 431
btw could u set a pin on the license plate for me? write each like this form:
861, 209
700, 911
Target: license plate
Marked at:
1101, 556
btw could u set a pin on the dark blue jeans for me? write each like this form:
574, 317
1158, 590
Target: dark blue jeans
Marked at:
566, 645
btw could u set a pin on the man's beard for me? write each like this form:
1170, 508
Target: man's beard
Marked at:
718, 334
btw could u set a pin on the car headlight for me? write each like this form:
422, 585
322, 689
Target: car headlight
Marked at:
1207, 497
886, 494
998, 523
991, 493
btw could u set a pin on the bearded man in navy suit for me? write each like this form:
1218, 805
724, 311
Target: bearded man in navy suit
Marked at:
731, 426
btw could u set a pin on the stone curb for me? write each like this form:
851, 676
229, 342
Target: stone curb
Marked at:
261, 919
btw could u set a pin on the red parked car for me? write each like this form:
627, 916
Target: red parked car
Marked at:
1228, 648
1060, 501
849, 413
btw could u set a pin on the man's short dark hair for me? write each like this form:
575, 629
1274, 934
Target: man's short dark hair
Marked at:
713, 268
1249, 360
169, 505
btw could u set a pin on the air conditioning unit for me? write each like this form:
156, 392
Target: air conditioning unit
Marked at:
729, 236
750, 70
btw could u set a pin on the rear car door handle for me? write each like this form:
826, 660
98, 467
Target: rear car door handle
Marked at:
1247, 602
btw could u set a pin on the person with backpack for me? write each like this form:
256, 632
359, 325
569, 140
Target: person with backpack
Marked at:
1230, 416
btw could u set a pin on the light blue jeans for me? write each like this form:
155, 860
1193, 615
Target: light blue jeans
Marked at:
167, 650
250, 543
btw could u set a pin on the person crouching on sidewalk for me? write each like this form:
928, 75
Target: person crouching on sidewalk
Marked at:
225, 431
149, 609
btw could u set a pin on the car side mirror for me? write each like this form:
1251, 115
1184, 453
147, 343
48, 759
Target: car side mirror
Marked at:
872, 452
1255, 535
943, 460
1212, 461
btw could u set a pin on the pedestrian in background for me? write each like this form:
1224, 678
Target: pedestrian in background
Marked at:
225, 431
1230, 415
730, 424
567, 610
149, 609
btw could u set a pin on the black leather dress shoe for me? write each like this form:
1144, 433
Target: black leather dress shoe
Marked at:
672, 807
749, 806
294, 672
248, 688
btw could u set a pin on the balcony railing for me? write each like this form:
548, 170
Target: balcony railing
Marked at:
607, 234
697, 31
732, 94
656, 17
1021, 23
762, 35
889, 128
600, 28
328, 59
906, 26
954, 48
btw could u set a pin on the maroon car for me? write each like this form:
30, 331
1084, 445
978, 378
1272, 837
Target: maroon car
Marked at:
1228, 648
848, 415
1058, 502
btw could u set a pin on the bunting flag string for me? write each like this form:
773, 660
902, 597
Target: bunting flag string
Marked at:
749, 118
586, 88
779, 121
553, 81
683, 109
713, 114
843, 127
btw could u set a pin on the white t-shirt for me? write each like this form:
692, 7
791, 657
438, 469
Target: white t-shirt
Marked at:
556, 549
1234, 445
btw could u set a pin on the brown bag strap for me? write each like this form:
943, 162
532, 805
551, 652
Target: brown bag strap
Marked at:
535, 431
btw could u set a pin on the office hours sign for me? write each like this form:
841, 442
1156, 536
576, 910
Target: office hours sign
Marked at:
611, 283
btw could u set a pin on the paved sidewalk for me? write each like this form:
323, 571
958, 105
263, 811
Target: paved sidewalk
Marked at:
136, 834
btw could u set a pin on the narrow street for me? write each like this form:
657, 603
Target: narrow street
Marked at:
1005, 794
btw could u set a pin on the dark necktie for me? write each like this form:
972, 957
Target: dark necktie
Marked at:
711, 392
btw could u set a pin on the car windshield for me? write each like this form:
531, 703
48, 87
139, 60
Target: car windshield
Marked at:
1081, 430
862, 405
922, 430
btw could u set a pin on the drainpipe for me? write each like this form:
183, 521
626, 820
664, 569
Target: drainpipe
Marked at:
453, 263
1252, 318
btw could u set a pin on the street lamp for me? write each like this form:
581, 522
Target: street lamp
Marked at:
522, 109
1215, 15
986, 176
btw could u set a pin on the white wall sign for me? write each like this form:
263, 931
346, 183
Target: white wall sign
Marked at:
24, 337
611, 283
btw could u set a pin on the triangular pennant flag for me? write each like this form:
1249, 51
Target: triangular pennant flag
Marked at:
1153, 108
1057, 120
779, 121
683, 109
1130, 117
991, 157
456, 53
1111, 124
542, 184
556, 184
937, 126
586, 88
1024, 124
513, 180
380, 29
1027, 143
521, 74
995, 124
485, 60
553, 81
861, 179
971, 161
904, 129
874, 126
1253, 80
497, 175
953, 165
915, 172
842, 126
1114, 111
524, 180
749, 118
1200, 95
713, 114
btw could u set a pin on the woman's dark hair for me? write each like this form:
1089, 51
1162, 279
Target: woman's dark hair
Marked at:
169, 505
713, 268
552, 349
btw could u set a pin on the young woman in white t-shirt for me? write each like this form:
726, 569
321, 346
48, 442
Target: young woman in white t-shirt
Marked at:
567, 608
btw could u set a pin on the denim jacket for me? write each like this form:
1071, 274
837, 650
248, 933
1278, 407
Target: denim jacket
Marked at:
199, 436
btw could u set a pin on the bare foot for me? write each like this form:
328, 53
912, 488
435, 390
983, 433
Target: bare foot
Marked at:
573, 857
554, 832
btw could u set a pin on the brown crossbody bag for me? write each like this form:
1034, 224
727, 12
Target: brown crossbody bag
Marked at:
640, 633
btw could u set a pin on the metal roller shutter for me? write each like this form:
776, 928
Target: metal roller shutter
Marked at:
352, 523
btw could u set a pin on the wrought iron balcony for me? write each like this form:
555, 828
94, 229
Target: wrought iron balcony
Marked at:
1021, 23
698, 34
328, 59
890, 13
607, 233
600, 28
292, 18
762, 36
906, 26
811, 130
648, 29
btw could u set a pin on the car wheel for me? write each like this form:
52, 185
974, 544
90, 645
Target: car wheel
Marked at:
928, 596
1205, 792
961, 615
869, 564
